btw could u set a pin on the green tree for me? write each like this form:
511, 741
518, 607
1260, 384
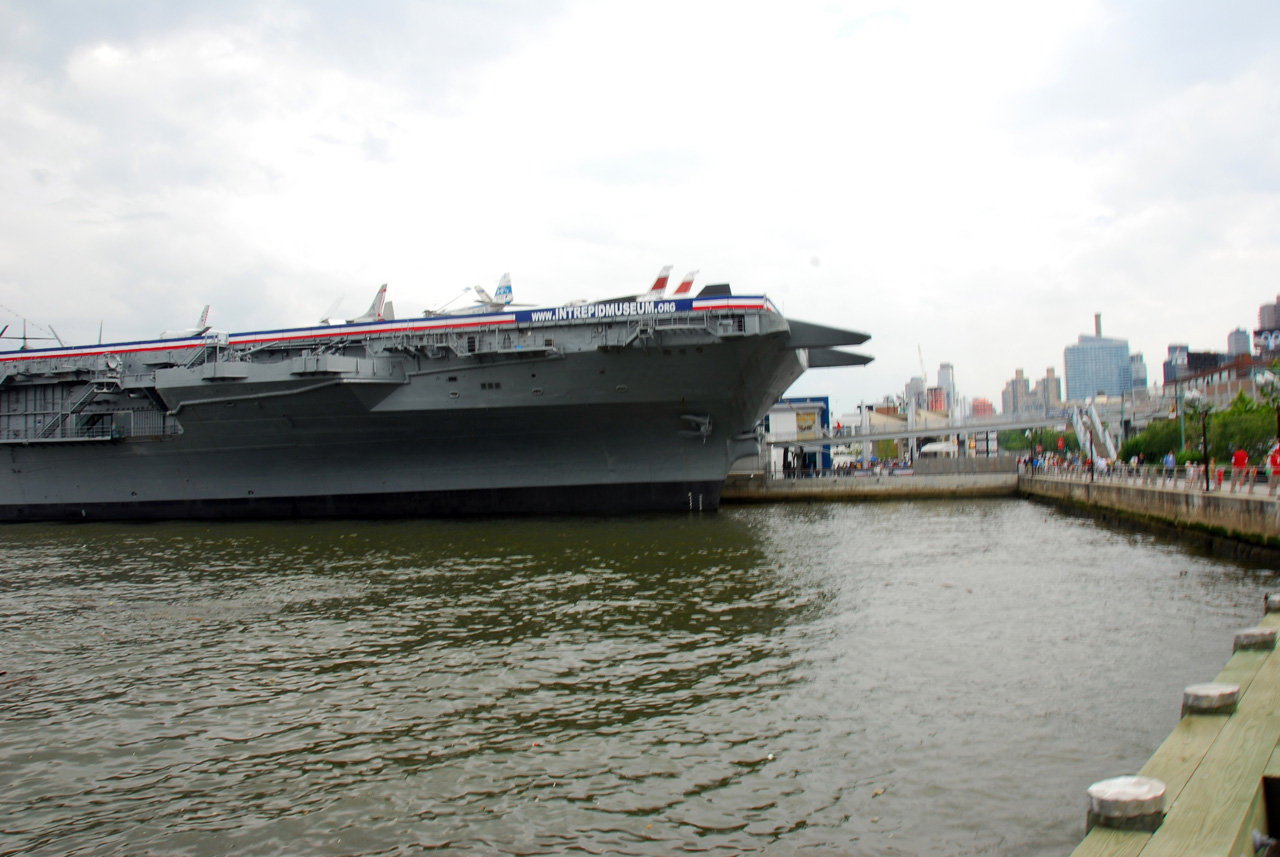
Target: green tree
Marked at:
1198, 409
1244, 425
886, 449
1159, 438
1014, 440
1269, 389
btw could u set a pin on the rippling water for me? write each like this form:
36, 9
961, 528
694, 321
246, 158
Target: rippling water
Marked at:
742, 682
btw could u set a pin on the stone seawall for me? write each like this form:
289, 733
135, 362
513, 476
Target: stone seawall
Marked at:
758, 489
1241, 525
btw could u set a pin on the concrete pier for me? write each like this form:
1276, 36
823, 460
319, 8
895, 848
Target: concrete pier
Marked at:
1220, 768
757, 488
1241, 524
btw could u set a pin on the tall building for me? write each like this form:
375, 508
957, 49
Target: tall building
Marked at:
1097, 365
1238, 342
1266, 339
1016, 397
1048, 390
1176, 366
914, 394
936, 399
1183, 363
983, 408
1269, 315
947, 381
1138, 372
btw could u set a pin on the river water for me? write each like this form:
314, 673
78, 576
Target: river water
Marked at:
894, 678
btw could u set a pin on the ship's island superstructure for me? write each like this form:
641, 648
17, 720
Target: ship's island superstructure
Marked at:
619, 406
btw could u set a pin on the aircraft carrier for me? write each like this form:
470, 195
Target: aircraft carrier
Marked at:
637, 404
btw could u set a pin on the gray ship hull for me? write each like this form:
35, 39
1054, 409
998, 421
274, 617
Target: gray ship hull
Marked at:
499, 417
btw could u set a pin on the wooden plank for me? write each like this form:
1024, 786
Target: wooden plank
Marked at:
1242, 667
1102, 842
1206, 817
1182, 752
1181, 755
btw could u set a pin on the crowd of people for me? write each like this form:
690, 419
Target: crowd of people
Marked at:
1240, 475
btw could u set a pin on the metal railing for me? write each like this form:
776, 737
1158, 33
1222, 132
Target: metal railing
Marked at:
1190, 477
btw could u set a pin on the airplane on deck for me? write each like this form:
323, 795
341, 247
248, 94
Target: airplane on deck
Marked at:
498, 301
202, 326
659, 288
659, 285
380, 310
686, 285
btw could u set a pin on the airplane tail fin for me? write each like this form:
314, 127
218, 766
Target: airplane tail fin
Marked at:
503, 294
483, 295
660, 284
375, 312
375, 308
686, 285
203, 324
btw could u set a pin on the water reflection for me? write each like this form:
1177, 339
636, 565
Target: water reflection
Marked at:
735, 682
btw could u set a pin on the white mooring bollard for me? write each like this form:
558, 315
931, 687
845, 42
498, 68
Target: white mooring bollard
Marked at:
1210, 698
1126, 803
1255, 638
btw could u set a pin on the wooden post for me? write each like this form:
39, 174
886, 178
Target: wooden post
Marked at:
1255, 638
1210, 698
1126, 803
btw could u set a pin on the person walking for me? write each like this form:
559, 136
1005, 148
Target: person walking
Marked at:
1170, 466
1273, 468
1239, 466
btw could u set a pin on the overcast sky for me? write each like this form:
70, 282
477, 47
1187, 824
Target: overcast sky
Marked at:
967, 181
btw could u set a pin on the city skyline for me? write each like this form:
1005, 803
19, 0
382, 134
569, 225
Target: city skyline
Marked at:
967, 184
1021, 389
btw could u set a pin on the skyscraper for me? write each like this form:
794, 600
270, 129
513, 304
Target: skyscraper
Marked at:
1138, 372
947, 381
1096, 365
1048, 391
1238, 342
914, 394
1017, 394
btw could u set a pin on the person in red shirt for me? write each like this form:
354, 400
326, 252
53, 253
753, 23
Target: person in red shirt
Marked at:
1239, 466
1273, 468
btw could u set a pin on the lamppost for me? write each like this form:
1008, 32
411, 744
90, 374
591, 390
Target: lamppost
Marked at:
1198, 405
1182, 427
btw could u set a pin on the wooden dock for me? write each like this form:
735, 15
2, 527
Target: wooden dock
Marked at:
1220, 771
